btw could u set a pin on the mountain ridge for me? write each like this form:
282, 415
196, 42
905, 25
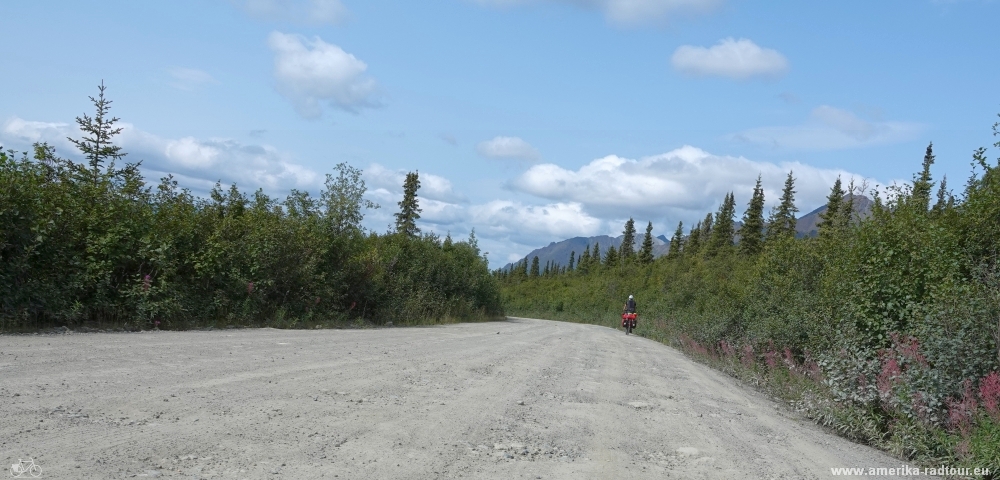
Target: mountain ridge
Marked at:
559, 252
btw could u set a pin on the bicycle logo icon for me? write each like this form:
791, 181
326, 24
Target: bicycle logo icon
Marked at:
18, 470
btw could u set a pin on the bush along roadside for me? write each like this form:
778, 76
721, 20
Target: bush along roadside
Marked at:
91, 245
884, 327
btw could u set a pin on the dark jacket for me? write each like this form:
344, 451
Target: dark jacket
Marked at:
630, 306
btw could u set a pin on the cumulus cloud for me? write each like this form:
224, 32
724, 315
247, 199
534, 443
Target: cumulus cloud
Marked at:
738, 59
685, 183
526, 224
830, 128
20, 133
190, 78
508, 148
311, 12
200, 162
625, 12
312, 72
432, 186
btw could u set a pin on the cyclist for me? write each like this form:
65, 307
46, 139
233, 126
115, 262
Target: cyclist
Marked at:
629, 305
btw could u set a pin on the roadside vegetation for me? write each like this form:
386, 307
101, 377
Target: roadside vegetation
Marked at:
93, 245
884, 328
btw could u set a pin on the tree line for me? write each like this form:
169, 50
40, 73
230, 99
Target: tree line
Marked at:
90, 243
886, 327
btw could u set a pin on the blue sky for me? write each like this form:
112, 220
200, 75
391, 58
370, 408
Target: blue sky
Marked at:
529, 120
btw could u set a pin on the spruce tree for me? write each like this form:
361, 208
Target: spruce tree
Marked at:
584, 264
847, 207
646, 252
676, 241
572, 256
722, 229
98, 131
694, 239
942, 196
922, 185
706, 228
534, 267
409, 208
752, 231
611, 257
831, 216
545, 272
782, 219
595, 256
627, 248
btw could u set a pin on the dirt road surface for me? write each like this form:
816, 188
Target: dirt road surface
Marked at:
520, 399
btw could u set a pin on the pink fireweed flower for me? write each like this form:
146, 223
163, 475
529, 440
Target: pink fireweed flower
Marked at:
146, 281
771, 358
989, 393
747, 357
249, 288
888, 378
960, 412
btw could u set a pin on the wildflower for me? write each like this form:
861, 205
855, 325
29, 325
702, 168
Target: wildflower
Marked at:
989, 393
888, 378
960, 412
249, 288
146, 281
747, 357
771, 358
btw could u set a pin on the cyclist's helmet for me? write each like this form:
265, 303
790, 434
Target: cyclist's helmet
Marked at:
630, 297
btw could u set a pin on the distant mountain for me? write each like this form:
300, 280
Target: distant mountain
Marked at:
808, 224
558, 252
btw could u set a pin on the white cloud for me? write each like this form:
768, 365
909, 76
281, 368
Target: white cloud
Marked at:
21, 133
310, 72
314, 12
508, 148
528, 224
190, 78
682, 184
739, 59
390, 182
199, 162
830, 128
625, 12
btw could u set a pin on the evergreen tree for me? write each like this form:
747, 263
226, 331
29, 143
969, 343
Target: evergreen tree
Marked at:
706, 228
627, 250
584, 264
524, 267
572, 255
782, 219
98, 131
595, 256
545, 272
611, 257
830, 218
646, 252
722, 229
944, 198
752, 231
534, 267
922, 185
676, 241
847, 207
409, 208
694, 239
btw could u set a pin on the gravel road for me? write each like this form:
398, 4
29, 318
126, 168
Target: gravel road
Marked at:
529, 399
